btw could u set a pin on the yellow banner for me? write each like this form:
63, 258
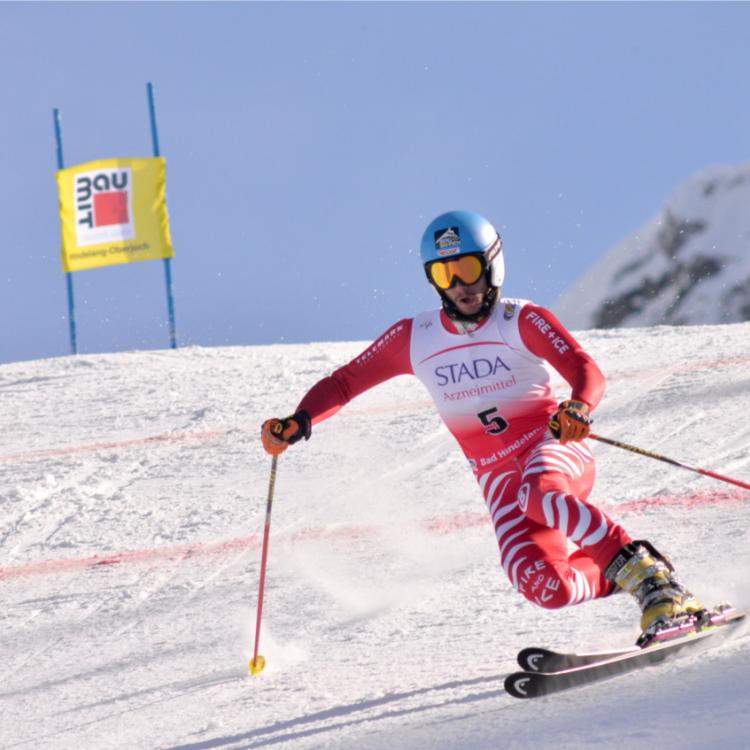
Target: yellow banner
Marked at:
114, 211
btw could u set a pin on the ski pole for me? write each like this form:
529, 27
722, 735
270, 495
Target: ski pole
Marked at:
658, 457
258, 662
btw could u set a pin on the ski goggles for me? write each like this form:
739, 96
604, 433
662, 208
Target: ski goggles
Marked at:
467, 269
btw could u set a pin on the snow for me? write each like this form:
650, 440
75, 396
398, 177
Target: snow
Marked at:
133, 497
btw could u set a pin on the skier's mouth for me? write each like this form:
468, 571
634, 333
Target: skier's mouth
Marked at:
470, 299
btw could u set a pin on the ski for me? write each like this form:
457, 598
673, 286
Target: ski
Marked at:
538, 659
533, 684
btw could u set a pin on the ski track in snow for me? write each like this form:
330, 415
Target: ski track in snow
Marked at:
133, 500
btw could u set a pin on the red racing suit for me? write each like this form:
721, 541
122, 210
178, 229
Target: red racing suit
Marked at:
492, 387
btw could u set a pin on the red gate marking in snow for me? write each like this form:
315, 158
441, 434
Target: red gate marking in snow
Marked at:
696, 500
170, 437
440, 525
179, 552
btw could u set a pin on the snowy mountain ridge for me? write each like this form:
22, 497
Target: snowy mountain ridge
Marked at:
688, 265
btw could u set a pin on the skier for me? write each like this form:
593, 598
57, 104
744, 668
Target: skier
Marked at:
487, 362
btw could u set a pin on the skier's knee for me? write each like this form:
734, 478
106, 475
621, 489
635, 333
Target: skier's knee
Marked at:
546, 589
548, 599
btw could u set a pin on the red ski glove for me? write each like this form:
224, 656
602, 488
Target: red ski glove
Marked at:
571, 421
278, 434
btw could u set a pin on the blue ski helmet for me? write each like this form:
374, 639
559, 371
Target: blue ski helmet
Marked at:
458, 233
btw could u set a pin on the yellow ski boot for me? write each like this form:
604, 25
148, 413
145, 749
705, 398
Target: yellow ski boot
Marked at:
649, 576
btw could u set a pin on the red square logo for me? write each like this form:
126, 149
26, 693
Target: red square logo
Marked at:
110, 208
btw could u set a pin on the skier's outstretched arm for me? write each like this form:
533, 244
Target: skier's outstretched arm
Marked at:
387, 357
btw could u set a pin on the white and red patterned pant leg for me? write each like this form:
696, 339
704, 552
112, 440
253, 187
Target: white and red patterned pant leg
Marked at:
538, 503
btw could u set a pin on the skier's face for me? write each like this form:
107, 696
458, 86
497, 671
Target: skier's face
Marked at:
468, 299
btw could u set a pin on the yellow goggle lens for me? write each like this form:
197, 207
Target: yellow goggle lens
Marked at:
468, 269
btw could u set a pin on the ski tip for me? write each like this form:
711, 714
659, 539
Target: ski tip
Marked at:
257, 665
531, 658
520, 685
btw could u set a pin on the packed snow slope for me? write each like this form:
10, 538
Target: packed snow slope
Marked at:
133, 498
689, 264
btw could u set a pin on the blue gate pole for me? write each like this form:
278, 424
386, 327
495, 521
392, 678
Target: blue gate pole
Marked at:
167, 261
68, 274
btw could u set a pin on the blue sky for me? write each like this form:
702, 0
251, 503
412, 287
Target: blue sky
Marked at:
309, 144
